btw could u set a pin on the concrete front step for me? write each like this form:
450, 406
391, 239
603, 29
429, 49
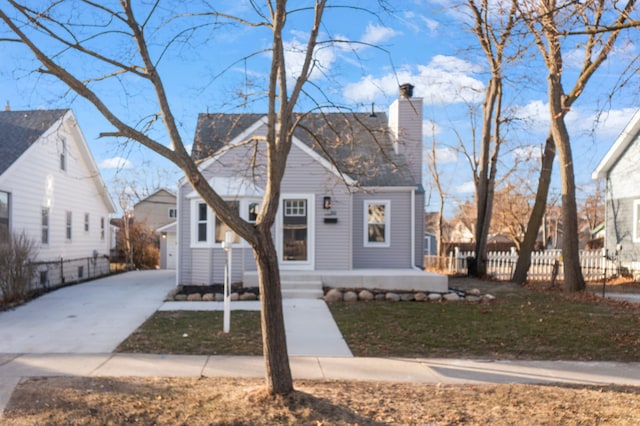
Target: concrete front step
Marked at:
301, 289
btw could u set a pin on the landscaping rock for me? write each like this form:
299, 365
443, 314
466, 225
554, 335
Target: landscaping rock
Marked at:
451, 297
350, 296
180, 297
208, 297
406, 297
473, 299
365, 296
248, 296
379, 296
434, 297
420, 296
219, 297
474, 292
488, 298
333, 295
234, 296
172, 293
194, 297
392, 297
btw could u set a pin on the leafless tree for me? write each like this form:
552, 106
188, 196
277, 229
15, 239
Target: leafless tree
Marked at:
550, 22
56, 40
493, 27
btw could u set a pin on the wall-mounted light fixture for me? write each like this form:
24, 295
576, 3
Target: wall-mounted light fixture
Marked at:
164, 235
326, 204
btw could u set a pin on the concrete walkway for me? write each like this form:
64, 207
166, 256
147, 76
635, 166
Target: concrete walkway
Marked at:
73, 332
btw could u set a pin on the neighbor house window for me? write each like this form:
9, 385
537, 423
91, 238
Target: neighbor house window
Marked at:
45, 225
68, 226
222, 228
5, 210
102, 228
636, 221
86, 222
173, 213
253, 210
63, 155
376, 218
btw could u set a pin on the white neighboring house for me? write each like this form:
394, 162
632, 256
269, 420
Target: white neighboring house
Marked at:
51, 189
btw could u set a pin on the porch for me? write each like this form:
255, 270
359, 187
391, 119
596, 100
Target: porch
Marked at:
309, 284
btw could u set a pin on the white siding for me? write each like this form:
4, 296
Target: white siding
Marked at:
36, 180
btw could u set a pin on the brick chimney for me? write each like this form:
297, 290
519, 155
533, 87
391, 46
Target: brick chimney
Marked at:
7, 107
405, 123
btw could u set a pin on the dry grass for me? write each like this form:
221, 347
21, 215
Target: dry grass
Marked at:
205, 401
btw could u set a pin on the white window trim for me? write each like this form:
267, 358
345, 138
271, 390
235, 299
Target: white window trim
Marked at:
211, 223
387, 223
636, 217
297, 265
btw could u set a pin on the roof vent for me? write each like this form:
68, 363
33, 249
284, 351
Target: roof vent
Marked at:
406, 91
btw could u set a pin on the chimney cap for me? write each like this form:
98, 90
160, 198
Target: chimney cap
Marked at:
406, 90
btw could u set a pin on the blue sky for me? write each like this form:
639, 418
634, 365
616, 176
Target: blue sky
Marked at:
422, 42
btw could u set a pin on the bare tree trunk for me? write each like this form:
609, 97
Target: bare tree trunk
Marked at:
274, 342
537, 214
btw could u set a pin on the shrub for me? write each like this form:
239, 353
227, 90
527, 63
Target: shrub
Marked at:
16, 267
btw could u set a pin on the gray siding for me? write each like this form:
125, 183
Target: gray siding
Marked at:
619, 229
419, 230
398, 254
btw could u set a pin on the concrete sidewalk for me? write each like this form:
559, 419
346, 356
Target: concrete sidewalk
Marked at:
411, 370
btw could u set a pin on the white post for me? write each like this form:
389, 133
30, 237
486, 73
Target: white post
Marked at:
226, 245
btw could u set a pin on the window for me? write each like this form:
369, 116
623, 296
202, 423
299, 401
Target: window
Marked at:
63, 155
254, 209
222, 228
295, 208
86, 222
44, 278
173, 213
202, 222
376, 216
68, 226
45, 225
5, 210
80, 271
636, 221
102, 228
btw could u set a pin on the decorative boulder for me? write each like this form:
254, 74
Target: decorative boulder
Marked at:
434, 297
451, 297
248, 296
488, 298
365, 295
180, 297
473, 299
392, 297
234, 296
420, 296
219, 297
379, 296
406, 297
208, 297
333, 295
350, 296
194, 297
474, 292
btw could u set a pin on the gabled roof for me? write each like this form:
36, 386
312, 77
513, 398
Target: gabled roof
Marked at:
628, 135
20, 129
359, 145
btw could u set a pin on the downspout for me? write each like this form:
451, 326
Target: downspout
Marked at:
413, 230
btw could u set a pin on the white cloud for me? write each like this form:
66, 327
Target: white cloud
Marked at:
295, 52
445, 80
375, 34
526, 153
115, 163
430, 128
466, 188
446, 155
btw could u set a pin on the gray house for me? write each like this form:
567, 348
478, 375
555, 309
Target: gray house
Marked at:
352, 203
621, 171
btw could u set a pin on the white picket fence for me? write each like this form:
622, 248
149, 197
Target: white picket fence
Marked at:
500, 265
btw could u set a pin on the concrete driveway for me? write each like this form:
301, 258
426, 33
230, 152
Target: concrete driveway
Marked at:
93, 317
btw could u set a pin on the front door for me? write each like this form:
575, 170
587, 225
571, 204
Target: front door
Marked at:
296, 247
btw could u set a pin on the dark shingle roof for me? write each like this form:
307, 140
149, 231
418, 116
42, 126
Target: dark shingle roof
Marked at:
20, 129
358, 144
